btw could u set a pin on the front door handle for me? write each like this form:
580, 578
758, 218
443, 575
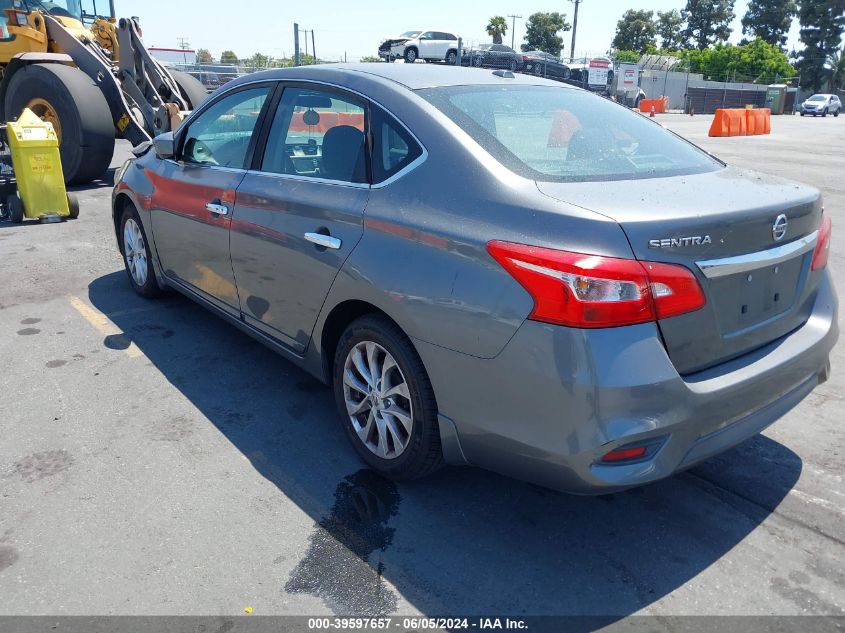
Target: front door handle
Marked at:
217, 209
326, 241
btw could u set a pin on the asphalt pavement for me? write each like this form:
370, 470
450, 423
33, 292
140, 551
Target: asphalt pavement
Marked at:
154, 460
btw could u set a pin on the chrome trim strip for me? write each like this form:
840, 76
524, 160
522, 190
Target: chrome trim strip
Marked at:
302, 178
715, 268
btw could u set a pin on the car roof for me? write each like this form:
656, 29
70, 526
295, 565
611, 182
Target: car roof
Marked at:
411, 76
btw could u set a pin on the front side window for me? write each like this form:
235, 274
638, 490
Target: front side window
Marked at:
393, 147
318, 134
563, 134
220, 136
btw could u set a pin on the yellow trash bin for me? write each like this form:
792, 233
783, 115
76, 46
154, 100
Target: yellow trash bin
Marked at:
38, 168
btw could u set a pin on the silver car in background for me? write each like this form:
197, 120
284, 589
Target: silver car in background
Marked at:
821, 104
490, 269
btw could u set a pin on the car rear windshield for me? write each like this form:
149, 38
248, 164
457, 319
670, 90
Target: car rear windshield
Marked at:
565, 134
816, 98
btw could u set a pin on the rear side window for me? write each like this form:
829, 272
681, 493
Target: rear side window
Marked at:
563, 134
393, 146
318, 134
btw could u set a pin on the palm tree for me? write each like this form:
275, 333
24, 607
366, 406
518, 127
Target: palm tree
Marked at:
496, 28
837, 72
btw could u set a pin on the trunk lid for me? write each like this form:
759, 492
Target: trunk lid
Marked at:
720, 225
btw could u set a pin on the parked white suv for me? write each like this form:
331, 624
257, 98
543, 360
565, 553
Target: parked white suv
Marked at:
821, 104
431, 46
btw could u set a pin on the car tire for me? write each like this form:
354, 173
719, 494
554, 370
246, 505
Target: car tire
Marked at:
14, 207
384, 440
824, 112
513, 65
802, 114
137, 257
410, 55
451, 57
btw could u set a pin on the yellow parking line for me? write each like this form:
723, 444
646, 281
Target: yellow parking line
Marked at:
102, 324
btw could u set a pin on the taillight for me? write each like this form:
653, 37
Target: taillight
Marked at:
525, 58
591, 291
822, 243
624, 454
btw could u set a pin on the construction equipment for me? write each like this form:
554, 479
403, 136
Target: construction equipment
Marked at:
37, 172
93, 83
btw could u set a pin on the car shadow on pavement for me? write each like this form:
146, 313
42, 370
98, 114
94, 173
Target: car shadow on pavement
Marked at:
464, 541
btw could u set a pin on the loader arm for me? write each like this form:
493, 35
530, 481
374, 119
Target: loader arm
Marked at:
146, 80
141, 93
91, 59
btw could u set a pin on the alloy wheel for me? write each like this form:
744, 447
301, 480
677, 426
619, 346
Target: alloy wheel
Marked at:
378, 400
135, 251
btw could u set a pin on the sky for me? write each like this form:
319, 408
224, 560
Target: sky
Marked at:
354, 29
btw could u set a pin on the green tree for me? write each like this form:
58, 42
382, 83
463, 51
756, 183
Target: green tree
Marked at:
370, 59
769, 20
708, 21
541, 32
228, 57
756, 61
204, 56
670, 28
635, 31
822, 25
496, 28
837, 69
626, 57
258, 60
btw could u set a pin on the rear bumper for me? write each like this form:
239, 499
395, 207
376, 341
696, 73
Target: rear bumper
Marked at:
556, 399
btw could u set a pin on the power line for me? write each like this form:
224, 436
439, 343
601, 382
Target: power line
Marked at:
513, 29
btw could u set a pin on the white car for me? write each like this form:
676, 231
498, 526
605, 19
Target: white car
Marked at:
431, 46
823, 104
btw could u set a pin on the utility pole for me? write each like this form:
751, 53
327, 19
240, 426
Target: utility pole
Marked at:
513, 28
313, 47
184, 44
574, 31
297, 57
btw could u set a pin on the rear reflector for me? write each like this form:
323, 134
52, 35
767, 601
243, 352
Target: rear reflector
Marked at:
822, 251
591, 291
625, 454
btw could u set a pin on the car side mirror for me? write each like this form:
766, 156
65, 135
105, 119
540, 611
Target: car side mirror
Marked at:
165, 145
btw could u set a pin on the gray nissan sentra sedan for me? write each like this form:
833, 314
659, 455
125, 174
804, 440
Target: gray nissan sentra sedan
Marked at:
490, 269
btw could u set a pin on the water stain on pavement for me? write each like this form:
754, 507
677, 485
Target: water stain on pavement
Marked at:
337, 566
30, 321
170, 430
52, 364
40, 465
8, 556
28, 331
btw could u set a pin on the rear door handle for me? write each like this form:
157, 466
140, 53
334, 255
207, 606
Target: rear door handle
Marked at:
326, 241
217, 209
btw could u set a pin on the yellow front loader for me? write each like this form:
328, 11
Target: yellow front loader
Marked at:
75, 65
